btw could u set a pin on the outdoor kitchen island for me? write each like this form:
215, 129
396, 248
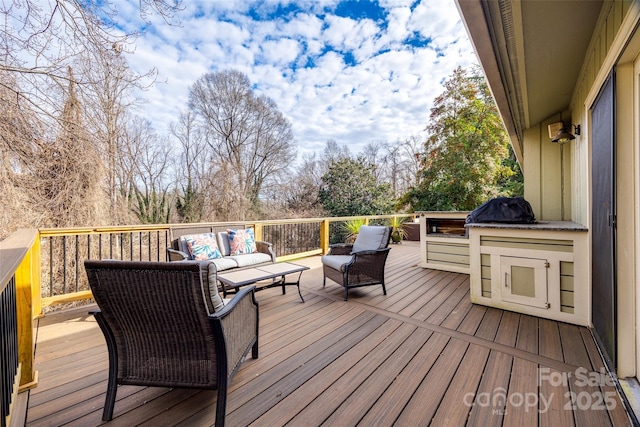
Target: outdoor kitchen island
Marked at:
539, 269
443, 241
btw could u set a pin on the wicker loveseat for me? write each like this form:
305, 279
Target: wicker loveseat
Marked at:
179, 250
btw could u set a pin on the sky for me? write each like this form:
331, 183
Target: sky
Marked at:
353, 71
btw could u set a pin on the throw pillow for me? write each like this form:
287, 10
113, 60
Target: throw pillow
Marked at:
203, 246
242, 241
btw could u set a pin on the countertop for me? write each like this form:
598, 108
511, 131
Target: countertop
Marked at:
540, 225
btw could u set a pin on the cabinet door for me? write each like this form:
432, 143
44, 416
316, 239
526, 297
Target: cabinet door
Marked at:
524, 281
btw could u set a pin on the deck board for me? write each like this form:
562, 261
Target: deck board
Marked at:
520, 410
425, 400
421, 355
582, 397
465, 382
393, 400
487, 410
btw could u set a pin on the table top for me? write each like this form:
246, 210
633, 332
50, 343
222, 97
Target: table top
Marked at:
256, 274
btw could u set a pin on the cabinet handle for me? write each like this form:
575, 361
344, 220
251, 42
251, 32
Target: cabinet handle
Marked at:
506, 279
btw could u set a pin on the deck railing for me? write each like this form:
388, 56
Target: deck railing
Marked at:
8, 348
19, 282
42, 268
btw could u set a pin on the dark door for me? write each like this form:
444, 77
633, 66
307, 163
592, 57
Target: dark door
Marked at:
603, 219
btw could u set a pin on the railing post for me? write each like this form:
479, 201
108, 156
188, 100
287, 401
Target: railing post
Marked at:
324, 236
27, 284
36, 278
257, 231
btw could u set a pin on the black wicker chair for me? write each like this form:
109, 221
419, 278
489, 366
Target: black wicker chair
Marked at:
360, 264
158, 331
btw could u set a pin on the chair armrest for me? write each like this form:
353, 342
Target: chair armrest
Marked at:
371, 252
340, 249
239, 323
266, 248
340, 245
368, 256
367, 264
176, 255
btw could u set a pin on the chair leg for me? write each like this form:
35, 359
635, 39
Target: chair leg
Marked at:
112, 381
384, 289
345, 283
254, 350
110, 400
324, 281
221, 403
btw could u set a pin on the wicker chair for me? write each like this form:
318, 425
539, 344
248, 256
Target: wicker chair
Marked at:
360, 264
158, 331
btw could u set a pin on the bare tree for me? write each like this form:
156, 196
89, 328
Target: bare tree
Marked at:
250, 139
150, 197
20, 128
191, 169
302, 197
412, 148
57, 174
374, 154
110, 105
38, 41
333, 152
396, 163
393, 167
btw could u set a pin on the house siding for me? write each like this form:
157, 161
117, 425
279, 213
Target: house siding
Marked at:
558, 178
606, 52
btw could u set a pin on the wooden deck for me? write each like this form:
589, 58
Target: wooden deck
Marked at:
422, 355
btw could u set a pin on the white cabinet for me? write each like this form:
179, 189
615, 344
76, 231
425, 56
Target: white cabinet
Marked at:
536, 269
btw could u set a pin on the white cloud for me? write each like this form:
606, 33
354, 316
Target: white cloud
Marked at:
398, 29
279, 52
350, 79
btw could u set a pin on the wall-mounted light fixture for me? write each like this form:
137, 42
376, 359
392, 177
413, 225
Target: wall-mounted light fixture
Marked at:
561, 133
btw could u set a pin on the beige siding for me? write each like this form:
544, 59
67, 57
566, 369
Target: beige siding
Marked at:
566, 287
594, 70
607, 49
544, 170
526, 243
485, 261
448, 253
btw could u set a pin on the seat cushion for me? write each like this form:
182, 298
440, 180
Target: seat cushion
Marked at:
250, 259
225, 263
371, 238
337, 262
210, 284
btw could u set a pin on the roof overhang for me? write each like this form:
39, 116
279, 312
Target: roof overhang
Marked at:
531, 52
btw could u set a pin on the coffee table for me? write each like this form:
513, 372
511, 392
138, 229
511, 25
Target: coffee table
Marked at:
249, 276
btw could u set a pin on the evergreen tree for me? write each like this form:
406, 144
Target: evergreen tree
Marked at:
464, 158
350, 188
